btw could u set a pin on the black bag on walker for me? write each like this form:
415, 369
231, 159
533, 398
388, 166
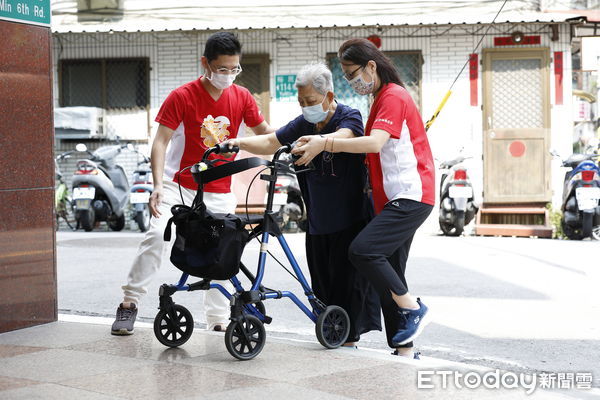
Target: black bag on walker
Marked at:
206, 245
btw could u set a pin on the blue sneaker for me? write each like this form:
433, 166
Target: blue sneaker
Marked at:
415, 322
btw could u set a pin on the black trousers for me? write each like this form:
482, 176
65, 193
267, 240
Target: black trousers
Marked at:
380, 252
335, 281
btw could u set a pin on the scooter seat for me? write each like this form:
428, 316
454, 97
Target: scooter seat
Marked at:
575, 159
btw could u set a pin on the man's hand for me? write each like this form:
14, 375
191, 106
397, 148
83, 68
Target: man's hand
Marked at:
155, 201
308, 147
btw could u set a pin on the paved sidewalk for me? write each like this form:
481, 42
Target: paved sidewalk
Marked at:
75, 360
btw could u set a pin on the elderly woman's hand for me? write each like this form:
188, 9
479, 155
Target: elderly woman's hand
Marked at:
308, 147
231, 143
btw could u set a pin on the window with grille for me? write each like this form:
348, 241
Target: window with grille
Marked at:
255, 78
408, 64
104, 83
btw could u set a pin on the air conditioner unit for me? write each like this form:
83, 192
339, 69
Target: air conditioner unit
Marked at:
79, 123
99, 10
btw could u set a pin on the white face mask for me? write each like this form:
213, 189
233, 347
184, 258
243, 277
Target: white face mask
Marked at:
221, 81
315, 114
360, 86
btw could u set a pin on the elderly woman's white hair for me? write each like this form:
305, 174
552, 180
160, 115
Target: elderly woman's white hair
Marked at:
316, 75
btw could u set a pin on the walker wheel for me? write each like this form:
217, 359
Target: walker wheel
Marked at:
245, 338
173, 326
333, 327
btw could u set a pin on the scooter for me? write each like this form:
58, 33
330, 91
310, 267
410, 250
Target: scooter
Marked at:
63, 203
287, 200
140, 192
457, 204
100, 188
581, 196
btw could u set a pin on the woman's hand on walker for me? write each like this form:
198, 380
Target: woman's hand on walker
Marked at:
308, 147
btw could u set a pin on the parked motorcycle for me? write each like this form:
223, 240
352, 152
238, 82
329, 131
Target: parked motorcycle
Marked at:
140, 192
63, 203
457, 204
100, 188
581, 196
287, 200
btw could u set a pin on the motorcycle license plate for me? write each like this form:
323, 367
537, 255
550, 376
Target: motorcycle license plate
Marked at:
83, 204
460, 191
587, 197
139, 197
280, 199
84, 192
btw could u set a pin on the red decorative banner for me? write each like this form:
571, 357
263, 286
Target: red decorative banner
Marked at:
473, 76
376, 40
508, 40
558, 77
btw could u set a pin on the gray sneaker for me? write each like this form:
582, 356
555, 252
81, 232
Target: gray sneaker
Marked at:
123, 324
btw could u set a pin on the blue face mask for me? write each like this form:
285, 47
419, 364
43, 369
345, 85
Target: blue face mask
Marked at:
315, 114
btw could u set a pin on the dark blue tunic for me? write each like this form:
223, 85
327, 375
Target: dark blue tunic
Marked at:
338, 209
334, 192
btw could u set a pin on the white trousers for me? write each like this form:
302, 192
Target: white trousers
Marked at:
149, 255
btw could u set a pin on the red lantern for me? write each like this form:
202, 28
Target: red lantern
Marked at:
376, 40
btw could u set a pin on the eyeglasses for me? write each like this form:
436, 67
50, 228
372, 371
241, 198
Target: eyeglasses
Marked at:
233, 71
350, 76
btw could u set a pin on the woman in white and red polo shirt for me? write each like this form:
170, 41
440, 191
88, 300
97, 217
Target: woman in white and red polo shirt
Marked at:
401, 173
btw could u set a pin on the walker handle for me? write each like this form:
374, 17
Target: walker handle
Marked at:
219, 148
224, 148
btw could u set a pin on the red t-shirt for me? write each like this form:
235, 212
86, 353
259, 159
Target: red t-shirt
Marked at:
404, 168
201, 122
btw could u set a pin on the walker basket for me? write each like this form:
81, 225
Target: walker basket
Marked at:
206, 245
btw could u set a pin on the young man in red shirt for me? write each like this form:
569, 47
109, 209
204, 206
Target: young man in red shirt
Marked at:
194, 117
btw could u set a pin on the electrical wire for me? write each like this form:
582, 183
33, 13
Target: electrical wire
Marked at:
443, 102
478, 43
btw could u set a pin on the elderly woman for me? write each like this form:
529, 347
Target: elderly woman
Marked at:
337, 206
402, 176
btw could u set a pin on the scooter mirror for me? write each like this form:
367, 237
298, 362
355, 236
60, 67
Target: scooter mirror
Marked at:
81, 147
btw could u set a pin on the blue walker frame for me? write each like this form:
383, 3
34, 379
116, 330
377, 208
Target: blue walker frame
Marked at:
181, 285
243, 303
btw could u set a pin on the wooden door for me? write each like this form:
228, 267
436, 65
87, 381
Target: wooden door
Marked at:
516, 125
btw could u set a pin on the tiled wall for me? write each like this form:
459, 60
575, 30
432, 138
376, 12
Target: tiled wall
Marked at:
27, 250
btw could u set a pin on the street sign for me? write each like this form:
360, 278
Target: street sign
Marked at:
33, 12
284, 87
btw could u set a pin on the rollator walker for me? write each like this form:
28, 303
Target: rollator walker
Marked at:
203, 237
